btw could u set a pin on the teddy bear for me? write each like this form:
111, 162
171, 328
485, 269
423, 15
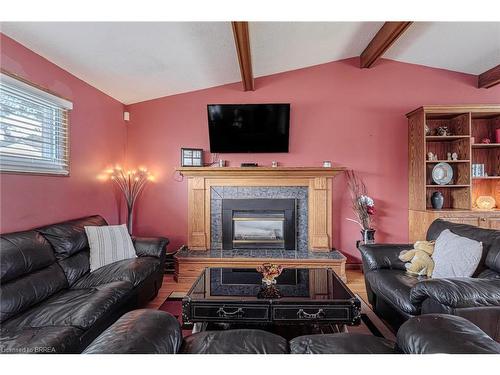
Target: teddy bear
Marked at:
419, 258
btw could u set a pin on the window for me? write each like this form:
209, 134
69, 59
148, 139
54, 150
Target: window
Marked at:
33, 129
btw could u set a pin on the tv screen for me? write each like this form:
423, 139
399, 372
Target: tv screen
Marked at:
237, 128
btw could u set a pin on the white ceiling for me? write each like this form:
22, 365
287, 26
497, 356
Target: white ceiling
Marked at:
468, 47
281, 46
136, 61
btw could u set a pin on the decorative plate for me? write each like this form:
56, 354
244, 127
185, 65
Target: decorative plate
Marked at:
442, 173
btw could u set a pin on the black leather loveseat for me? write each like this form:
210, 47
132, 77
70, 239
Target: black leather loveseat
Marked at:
50, 302
397, 296
158, 332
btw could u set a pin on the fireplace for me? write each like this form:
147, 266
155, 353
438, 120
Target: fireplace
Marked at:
259, 224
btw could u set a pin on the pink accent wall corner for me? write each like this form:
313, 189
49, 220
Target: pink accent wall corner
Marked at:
97, 138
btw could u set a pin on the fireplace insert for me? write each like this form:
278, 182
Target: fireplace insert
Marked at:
258, 224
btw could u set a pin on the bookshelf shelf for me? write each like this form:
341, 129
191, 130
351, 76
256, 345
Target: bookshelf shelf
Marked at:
446, 161
486, 145
445, 138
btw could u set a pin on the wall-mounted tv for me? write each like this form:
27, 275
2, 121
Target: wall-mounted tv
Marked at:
235, 128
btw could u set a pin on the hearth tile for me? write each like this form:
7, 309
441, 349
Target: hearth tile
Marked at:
193, 254
289, 254
245, 254
273, 253
226, 254
259, 253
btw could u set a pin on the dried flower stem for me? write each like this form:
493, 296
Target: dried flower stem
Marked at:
358, 189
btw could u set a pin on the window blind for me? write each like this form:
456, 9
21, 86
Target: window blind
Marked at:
33, 129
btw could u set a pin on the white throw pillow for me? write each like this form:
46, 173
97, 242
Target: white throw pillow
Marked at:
109, 244
455, 256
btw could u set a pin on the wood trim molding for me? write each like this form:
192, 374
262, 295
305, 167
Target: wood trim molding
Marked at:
263, 172
489, 78
381, 42
320, 214
198, 239
242, 40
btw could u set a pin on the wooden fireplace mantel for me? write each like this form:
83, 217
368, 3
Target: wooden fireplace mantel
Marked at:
281, 172
318, 180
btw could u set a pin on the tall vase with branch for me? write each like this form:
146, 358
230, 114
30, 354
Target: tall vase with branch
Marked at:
362, 205
131, 183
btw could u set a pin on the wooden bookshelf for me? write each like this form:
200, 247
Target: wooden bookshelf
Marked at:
468, 126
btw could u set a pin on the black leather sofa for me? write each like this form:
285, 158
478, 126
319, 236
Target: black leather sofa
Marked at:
50, 302
397, 296
158, 332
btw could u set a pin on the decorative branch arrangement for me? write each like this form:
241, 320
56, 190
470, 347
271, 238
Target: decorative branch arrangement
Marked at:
362, 205
131, 184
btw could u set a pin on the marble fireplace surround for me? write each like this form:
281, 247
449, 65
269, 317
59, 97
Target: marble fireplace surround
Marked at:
312, 187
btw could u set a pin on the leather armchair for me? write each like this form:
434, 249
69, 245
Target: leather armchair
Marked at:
397, 296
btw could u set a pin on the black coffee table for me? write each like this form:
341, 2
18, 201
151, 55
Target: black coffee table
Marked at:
237, 297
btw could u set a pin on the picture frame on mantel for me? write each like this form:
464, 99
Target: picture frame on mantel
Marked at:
191, 157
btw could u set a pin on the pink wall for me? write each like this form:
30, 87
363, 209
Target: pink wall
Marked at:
97, 136
354, 117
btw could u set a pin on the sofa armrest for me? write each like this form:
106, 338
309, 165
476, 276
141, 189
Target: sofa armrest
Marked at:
144, 331
458, 292
438, 333
378, 256
150, 246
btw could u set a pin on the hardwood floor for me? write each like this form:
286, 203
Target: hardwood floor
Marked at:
355, 282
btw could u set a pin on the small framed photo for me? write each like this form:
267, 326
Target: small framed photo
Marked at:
191, 157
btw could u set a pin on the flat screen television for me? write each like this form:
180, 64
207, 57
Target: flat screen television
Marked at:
235, 128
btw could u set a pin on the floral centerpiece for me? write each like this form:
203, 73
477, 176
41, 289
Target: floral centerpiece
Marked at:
362, 205
269, 273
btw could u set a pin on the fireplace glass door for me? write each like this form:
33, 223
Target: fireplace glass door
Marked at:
258, 224
258, 229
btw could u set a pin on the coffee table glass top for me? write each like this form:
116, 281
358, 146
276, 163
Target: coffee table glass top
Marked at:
245, 284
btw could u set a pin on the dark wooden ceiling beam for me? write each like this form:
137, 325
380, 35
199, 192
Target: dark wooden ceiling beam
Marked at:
489, 78
381, 42
242, 40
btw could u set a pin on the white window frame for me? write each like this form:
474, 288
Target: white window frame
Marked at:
56, 160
